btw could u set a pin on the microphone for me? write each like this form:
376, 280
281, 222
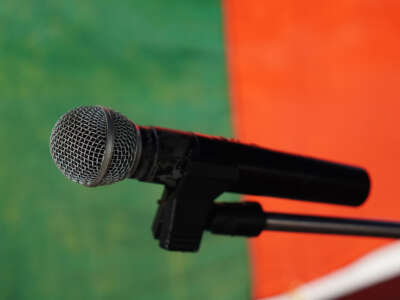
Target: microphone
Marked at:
95, 146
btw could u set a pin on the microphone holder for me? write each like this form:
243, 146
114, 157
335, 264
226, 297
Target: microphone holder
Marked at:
184, 210
187, 209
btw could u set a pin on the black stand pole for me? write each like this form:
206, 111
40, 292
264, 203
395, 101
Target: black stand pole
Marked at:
248, 219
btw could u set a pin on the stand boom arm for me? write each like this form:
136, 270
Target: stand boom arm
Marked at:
248, 219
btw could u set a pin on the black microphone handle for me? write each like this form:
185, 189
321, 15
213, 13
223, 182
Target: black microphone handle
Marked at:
166, 153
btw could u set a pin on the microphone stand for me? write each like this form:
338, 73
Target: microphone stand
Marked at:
248, 219
187, 208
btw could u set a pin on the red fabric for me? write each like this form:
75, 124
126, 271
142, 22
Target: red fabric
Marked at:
319, 78
386, 290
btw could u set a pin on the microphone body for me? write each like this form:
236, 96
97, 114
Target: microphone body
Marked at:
166, 154
95, 146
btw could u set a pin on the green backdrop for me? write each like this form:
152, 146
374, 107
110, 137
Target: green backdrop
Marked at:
160, 63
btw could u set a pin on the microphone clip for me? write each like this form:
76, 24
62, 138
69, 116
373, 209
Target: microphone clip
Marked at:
184, 210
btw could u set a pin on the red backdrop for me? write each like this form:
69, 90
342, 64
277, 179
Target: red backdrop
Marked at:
317, 78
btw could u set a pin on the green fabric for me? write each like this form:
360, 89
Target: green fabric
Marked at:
160, 63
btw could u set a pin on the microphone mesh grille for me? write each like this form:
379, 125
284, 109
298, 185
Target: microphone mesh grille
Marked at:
78, 143
125, 146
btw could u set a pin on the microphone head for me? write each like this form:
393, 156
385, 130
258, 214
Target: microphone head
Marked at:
94, 145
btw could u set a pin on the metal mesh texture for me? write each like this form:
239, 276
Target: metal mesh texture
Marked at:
78, 142
125, 146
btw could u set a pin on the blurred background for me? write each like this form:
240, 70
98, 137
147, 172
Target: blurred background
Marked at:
159, 63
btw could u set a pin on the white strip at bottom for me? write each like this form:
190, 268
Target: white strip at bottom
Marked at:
373, 268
